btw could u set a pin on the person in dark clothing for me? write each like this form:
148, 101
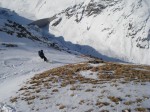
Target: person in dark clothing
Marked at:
41, 54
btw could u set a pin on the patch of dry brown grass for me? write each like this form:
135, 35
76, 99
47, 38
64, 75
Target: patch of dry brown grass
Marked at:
70, 75
82, 102
55, 90
101, 104
123, 71
29, 98
44, 97
89, 90
129, 103
141, 109
115, 99
14, 99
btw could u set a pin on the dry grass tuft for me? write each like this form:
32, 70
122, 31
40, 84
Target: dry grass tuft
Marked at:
101, 104
89, 90
115, 99
29, 98
44, 97
141, 109
82, 102
14, 99
55, 90
129, 103
96, 61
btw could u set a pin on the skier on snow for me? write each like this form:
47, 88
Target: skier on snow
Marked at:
41, 54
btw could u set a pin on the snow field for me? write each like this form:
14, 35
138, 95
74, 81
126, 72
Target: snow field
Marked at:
69, 88
27, 83
22, 62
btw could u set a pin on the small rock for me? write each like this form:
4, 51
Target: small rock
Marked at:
126, 110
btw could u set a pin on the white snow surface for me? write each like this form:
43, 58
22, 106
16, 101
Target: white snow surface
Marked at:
106, 33
37, 9
17, 64
109, 32
89, 74
120, 30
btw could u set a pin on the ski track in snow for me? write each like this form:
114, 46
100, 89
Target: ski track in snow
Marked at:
14, 62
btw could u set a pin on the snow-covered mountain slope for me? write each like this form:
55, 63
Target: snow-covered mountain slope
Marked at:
37, 9
10, 26
120, 29
94, 85
116, 28
12, 15
19, 61
19, 46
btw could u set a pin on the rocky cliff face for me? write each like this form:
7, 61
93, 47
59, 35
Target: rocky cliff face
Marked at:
94, 9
